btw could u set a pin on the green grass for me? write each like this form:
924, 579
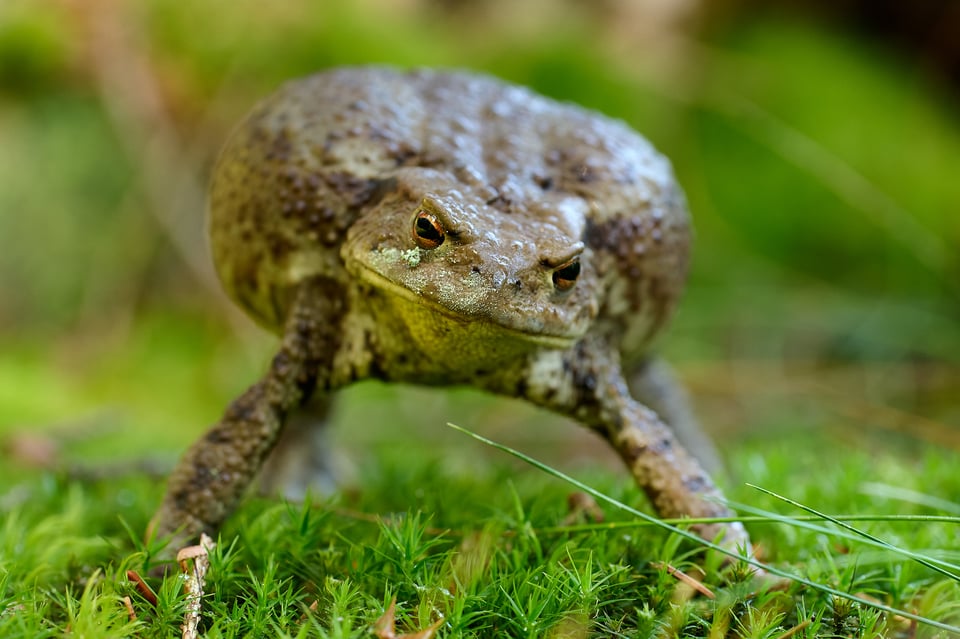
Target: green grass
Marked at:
455, 529
819, 336
486, 548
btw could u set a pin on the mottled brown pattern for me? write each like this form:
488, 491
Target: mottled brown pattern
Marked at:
313, 220
215, 472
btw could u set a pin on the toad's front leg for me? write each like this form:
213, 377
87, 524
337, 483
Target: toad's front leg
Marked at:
592, 390
212, 476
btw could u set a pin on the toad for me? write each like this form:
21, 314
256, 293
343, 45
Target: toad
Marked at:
440, 228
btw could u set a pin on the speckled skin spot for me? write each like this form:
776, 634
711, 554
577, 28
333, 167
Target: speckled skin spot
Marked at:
314, 214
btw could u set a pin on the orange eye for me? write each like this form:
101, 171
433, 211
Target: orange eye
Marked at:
565, 275
427, 231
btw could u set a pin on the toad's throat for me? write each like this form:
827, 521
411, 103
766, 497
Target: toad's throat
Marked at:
547, 340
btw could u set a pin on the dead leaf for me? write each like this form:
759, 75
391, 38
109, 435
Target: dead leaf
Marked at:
385, 626
33, 450
581, 506
145, 591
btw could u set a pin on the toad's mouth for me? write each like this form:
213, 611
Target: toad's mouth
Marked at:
378, 281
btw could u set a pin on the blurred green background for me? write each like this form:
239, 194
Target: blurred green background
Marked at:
820, 152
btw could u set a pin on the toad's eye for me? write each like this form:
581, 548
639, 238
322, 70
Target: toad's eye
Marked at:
427, 231
565, 275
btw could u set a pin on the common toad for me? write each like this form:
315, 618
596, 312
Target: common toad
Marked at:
445, 228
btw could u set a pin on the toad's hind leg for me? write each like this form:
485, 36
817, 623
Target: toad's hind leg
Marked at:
302, 463
654, 385
214, 473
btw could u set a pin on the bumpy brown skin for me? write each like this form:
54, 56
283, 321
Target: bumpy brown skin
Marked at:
313, 210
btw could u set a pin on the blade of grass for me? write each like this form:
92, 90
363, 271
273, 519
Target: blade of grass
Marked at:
903, 552
910, 496
761, 517
698, 540
806, 524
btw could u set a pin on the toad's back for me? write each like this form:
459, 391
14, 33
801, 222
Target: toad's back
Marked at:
313, 158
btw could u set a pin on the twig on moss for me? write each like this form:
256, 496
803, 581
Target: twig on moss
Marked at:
797, 628
128, 604
679, 575
196, 579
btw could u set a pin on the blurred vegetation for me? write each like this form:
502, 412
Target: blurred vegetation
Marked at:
819, 153
820, 165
